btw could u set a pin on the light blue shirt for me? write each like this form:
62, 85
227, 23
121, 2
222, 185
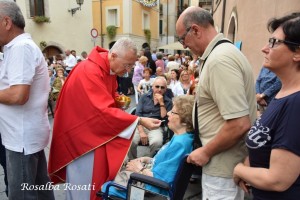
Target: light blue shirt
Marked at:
165, 163
267, 83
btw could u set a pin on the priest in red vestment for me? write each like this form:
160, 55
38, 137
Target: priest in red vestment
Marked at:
91, 136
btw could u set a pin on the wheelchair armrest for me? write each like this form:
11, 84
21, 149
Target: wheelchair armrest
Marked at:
115, 185
149, 180
105, 195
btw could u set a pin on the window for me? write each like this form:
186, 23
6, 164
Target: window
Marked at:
36, 8
160, 27
146, 21
112, 17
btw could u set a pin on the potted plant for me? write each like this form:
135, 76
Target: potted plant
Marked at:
147, 33
43, 44
41, 19
111, 31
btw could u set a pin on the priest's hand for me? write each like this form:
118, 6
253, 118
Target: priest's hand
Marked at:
150, 123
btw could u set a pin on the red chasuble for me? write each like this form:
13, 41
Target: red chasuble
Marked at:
86, 119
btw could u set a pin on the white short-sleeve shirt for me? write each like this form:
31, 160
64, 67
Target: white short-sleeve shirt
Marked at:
25, 127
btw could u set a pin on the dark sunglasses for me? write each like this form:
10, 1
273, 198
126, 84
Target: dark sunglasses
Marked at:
161, 87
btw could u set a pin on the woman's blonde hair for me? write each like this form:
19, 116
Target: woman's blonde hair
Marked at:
60, 69
184, 105
143, 59
181, 74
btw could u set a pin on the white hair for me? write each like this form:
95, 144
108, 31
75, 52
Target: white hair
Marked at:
123, 45
160, 78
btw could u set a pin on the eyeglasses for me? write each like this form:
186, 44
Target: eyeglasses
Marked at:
174, 113
274, 41
182, 38
127, 66
161, 87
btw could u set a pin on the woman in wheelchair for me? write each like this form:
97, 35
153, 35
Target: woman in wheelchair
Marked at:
166, 162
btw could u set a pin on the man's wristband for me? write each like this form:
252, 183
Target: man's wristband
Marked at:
163, 105
139, 121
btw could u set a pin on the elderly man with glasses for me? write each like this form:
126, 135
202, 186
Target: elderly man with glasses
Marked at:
154, 104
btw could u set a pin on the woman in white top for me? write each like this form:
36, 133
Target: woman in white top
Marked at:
183, 85
174, 78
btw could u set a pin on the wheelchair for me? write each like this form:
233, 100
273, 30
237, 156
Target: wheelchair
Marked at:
175, 191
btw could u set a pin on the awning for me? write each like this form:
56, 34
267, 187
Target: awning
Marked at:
173, 46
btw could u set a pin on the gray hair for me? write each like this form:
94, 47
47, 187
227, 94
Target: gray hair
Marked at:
159, 55
160, 78
123, 45
198, 16
11, 9
184, 105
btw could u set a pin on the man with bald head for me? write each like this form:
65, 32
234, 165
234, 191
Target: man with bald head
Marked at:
225, 103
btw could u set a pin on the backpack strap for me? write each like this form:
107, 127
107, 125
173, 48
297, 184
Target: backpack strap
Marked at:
197, 142
219, 42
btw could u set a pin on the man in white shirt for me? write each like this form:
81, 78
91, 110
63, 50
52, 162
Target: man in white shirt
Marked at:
70, 61
24, 125
2, 148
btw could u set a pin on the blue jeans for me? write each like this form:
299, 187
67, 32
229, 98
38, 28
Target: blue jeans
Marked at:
27, 176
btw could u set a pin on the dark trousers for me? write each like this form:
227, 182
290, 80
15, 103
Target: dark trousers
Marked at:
3, 163
24, 172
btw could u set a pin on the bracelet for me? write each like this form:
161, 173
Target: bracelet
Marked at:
162, 105
139, 121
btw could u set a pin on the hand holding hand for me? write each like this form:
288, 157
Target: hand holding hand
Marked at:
237, 179
134, 166
262, 102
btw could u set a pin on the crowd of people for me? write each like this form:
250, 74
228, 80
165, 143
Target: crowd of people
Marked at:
214, 89
180, 74
142, 74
